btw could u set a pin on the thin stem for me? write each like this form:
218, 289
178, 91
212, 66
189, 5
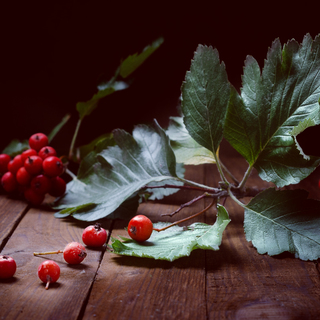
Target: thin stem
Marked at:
48, 252
74, 138
229, 173
234, 198
187, 204
186, 219
245, 178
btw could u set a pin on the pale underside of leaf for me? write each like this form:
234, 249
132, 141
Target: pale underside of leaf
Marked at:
176, 242
116, 174
279, 221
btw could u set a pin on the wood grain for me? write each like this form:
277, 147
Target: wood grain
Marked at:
24, 296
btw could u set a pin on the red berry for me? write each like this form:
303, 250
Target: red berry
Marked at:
46, 152
74, 253
58, 187
48, 272
40, 184
94, 236
52, 166
38, 141
140, 228
28, 153
33, 165
4, 161
34, 198
23, 176
9, 182
15, 164
8, 267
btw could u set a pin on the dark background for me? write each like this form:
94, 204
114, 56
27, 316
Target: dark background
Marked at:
54, 54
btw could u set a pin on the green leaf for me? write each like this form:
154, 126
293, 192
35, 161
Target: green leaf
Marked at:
279, 221
272, 104
114, 175
205, 97
85, 108
131, 63
186, 149
176, 242
58, 127
16, 147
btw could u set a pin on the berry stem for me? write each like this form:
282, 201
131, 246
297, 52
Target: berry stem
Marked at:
48, 252
186, 219
48, 282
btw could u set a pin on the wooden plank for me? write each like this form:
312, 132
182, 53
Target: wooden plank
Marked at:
24, 296
241, 284
141, 288
11, 212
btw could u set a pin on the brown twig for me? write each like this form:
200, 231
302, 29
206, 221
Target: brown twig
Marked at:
186, 219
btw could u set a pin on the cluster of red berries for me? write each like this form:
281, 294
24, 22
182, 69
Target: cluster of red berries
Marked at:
35, 172
73, 253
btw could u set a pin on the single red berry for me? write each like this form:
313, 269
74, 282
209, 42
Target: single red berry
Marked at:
8, 267
15, 164
74, 253
140, 228
23, 176
38, 141
94, 236
52, 166
34, 198
58, 187
48, 272
33, 165
46, 152
40, 184
28, 153
4, 161
9, 182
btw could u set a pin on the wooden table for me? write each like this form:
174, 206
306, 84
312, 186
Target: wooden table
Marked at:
232, 283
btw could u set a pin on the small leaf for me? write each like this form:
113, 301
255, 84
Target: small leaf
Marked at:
131, 63
16, 147
175, 242
279, 221
186, 149
58, 127
205, 98
85, 108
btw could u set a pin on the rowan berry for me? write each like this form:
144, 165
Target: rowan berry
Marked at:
15, 164
28, 153
52, 166
33, 165
94, 236
33, 197
23, 176
46, 152
74, 253
4, 160
9, 182
48, 272
40, 184
38, 141
140, 228
58, 187
8, 267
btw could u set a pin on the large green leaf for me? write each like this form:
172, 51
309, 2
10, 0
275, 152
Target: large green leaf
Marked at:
278, 221
260, 123
176, 242
112, 176
205, 97
186, 149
